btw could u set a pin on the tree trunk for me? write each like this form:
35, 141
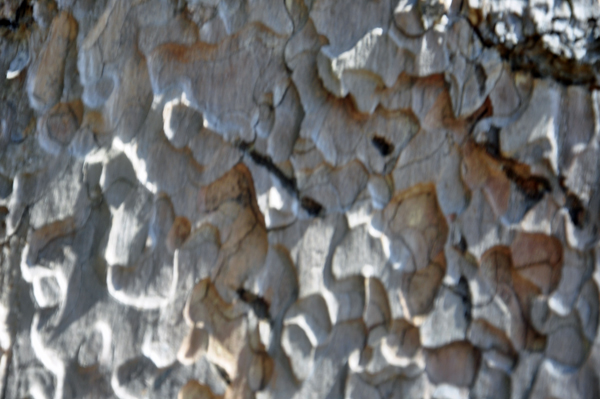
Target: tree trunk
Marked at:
299, 199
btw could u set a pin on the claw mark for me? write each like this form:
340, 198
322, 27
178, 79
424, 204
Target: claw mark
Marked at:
289, 183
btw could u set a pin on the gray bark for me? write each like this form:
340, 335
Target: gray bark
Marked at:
299, 199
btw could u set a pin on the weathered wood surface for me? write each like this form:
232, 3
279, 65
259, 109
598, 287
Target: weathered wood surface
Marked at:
299, 199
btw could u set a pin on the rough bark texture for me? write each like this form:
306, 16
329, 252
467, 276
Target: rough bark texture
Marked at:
299, 199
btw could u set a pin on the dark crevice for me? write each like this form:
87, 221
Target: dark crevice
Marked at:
485, 111
481, 77
258, 304
4, 381
23, 15
6, 187
462, 289
288, 183
492, 145
576, 210
462, 245
382, 145
533, 187
7, 23
312, 207
162, 377
223, 374
573, 204
530, 55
